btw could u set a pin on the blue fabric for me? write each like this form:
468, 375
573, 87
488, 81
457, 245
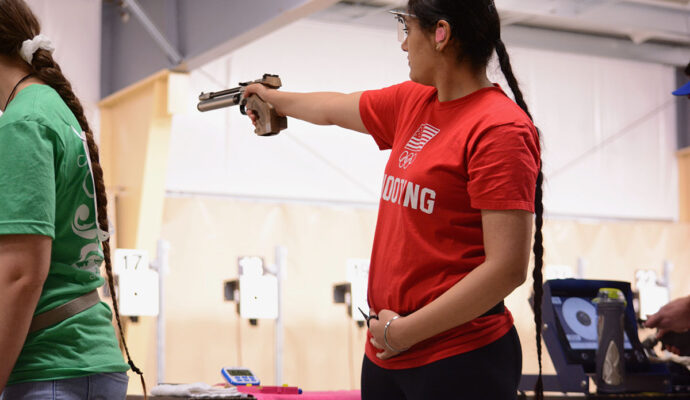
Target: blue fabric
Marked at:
109, 386
683, 90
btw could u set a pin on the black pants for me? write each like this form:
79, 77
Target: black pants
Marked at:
488, 373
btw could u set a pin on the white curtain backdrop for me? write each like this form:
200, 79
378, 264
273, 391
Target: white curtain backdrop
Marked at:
608, 125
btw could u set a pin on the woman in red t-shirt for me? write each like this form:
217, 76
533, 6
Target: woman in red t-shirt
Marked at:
460, 190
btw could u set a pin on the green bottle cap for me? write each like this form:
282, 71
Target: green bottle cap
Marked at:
608, 294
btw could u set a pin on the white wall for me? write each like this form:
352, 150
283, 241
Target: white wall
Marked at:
74, 27
579, 102
217, 151
609, 133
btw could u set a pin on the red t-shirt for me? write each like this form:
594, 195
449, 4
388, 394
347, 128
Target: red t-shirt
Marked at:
448, 161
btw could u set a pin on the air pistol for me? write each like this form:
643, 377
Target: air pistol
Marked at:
268, 121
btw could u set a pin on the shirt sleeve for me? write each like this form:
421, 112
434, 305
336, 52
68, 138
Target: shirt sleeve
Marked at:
503, 165
379, 111
27, 179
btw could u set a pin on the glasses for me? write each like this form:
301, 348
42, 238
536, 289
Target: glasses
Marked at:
402, 24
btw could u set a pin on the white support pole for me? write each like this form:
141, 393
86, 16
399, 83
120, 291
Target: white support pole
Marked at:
162, 252
581, 265
280, 268
666, 273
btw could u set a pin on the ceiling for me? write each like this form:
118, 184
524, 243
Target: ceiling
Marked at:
184, 34
640, 21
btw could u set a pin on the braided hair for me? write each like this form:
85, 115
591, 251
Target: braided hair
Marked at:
476, 30
17, 24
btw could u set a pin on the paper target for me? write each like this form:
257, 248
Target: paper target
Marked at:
580, 316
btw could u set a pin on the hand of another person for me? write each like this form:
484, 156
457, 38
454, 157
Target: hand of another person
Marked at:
377, 327
674, 316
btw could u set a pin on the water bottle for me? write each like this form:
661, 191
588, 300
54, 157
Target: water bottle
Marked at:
610, 359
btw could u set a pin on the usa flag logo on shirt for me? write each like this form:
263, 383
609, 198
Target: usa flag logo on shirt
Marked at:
421, 137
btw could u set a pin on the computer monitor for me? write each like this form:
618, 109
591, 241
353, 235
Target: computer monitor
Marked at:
576, 321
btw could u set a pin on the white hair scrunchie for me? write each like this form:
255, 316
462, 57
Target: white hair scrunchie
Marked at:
30, 46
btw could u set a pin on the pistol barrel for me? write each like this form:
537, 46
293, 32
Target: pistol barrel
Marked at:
216, 103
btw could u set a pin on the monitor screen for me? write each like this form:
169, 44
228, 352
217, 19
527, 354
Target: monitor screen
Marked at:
578, 318
240, 372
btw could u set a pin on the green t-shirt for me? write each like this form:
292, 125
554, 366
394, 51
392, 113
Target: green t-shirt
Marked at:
46, 189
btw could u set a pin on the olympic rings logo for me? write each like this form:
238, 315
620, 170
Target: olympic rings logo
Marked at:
406, 159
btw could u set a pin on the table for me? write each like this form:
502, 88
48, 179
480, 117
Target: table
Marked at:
355, 395
330, 395
627, 396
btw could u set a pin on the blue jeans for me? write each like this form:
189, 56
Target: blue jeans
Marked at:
110, 386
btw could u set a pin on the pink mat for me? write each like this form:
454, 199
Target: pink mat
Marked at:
335, 395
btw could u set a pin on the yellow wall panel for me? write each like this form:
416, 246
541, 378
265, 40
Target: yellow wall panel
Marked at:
323, 348
684, 184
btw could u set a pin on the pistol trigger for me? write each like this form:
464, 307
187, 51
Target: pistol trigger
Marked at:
242, 109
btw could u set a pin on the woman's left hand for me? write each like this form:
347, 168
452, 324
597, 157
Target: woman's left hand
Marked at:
396, 344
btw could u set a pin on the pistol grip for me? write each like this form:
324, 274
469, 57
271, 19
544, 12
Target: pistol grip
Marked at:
268, 122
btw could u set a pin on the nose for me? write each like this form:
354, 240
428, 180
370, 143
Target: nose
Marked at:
403, 46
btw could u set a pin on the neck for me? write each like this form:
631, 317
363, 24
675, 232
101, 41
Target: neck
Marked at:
454, 80
12, 72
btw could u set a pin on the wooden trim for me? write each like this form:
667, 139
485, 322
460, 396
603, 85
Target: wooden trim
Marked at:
683, 156
685, 151
129, 90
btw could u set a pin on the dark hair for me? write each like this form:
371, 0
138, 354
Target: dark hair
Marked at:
17, 24
476, 29
687, 70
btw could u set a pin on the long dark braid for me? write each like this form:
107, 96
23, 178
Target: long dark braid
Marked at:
538, 248
17, 24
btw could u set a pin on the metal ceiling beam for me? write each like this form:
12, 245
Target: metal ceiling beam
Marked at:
582, 43
183, 34
639, 20
174, 55
203, 32
526, 30
662, 4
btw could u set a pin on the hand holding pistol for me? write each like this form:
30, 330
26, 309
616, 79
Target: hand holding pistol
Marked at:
268, 122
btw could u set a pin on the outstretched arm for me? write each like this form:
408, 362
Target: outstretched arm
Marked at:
507, 238
24, 264
321, 108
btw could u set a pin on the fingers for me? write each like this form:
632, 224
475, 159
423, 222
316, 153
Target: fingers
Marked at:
384, 354
254, 88
652, 321
252, 115
376, 344
369, 318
